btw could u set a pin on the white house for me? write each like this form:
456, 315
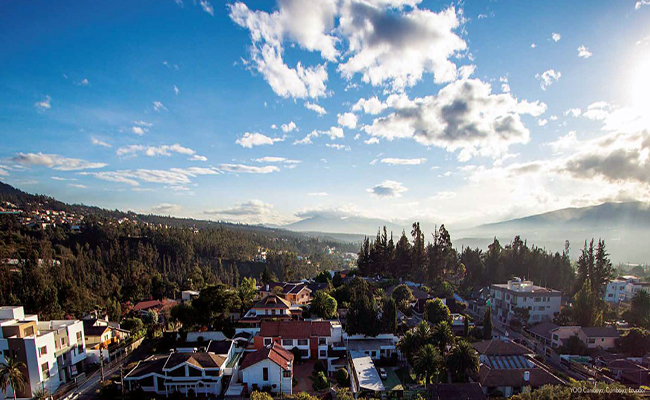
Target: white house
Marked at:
270, 367
542, 303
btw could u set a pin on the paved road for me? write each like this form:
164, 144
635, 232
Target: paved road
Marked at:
88, 389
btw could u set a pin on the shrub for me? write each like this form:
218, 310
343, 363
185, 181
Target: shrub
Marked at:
320, 381
260, 396
342, 377
297, 355
318, 367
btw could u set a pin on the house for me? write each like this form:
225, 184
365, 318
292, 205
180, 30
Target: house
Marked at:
53, 351
365, 377
294, 292
148, 305
190, 372
599, 336
321, 340
615, 290
381, 346
634, 287
507, 369
271, 307
100, 333
269, 367
457, 391
189, 295
548, 336
542, 303
629, 372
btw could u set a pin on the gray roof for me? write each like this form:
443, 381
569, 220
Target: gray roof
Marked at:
601, 331
544, 329
366, 372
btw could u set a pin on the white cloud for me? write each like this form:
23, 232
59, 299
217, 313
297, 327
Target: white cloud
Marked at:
444, 195
403, 161
370, 106
197, 157
55, 161
252, 212
574, 112
152, 151
334, 132
641, 3
176, 90
583, 52
556, 36
248, 169
597, 111
251, 139
563, 143
347, 120
290, 127
553, 117
548, 77
157, 106
315, 107
464, 116
318, 194
83, 82
207, 7
58, 178
143, 123
542, 122
338, 146
396, 47
271, 159
138, 130
98, 142
77, 186
44, 104
166, 208
388, 188
372, 140
173, 176
533, 45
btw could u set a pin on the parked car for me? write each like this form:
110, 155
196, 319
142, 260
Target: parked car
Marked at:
382, 373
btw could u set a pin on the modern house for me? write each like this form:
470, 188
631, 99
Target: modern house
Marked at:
53, 351
270, 367
549, 336
314, 339
542, 303
100, 333
506, 369
294, 292
189, 372
270, 308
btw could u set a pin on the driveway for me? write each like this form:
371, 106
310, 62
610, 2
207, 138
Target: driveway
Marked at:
302, 374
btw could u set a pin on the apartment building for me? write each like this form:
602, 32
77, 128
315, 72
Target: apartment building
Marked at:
542, 303
53, 351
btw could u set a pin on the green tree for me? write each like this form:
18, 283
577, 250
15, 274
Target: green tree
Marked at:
462, 361
344, 394
389, 316
522, 314
487, 324
257, 395
587, 310
402, 293
214, 304
323, 305
640, 309
435, 311
636, 342
342, 377
11, 376
362, 314
443, 336
132, 324
408, 344
247, 292
427, 363
268, 276
323, 277
320, 381
574, 346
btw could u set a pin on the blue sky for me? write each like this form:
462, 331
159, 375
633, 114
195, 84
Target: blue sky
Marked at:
266, 112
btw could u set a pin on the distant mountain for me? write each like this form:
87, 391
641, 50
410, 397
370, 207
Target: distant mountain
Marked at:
625, 227
346, 225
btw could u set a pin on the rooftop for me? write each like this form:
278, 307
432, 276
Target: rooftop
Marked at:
497, 347
366, 373
295, 329
274, 352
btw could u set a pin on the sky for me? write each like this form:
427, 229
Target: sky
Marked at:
267, 112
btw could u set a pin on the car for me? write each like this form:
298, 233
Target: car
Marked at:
382, 373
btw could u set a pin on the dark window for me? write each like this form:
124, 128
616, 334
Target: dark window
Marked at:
265, 374
323, 353
45, 368
322, 341
29, 331
286, 374
267, 342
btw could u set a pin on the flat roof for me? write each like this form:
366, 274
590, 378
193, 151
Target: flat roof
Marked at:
368, 344
366, 373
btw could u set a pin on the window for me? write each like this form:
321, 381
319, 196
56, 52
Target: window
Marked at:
265, 374
538, 299
45, 368
29, 331
303, 342
322, 341
62, 342
287, 342
42, 351
267, 341
542, 308
322, 354
80, 349
272, 312
610, 295
592, 341
78, 336
286, 374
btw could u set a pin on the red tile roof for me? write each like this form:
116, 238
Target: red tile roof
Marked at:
295, 329
273, 301
489, 377
275, 353
497, 347
145, 305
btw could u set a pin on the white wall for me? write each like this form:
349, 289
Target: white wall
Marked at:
254, 375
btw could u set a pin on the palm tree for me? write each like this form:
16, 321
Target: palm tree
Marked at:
462, 361
408, 344
11, 375
41, 394
423, 333
443, 336
427, 363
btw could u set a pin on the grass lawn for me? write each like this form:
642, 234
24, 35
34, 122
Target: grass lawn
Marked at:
392, 381
405, 375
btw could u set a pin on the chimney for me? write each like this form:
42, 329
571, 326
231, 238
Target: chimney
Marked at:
527, 376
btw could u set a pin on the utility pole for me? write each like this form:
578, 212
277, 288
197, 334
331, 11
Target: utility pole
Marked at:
101, 362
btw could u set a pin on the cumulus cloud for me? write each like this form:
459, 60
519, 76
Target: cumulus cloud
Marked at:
248, 169
563, 143
166, 208
251, 139
583, 52
556, 36
55, 161
370, 106
253, 211
397, 47
44, 104
548, 77
290, 127
138, 130
334, 132
403, 161
542, 122
574, 112
641, 3
197, 157
98, 142
315, 108
444, 195
347, 120
387, 189
464, 116
372, 140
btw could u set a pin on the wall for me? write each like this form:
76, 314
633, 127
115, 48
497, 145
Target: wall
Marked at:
254, 375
